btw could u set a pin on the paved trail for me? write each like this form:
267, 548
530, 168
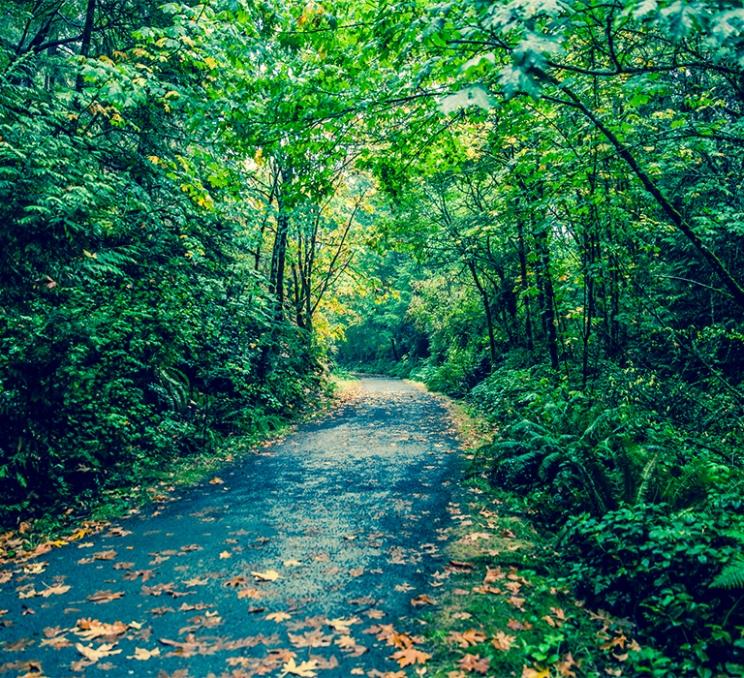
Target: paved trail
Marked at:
349, 512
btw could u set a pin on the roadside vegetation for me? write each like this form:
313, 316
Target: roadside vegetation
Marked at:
532, 206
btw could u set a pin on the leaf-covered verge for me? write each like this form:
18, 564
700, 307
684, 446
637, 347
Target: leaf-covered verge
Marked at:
638, 591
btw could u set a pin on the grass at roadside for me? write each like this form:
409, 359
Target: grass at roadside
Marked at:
503, 610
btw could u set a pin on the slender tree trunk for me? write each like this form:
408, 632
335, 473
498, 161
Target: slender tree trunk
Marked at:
486, 308
524, 285
549, 319
278, 261
85, 40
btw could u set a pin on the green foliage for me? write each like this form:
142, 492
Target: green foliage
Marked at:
732, 575
138, 322
662, 569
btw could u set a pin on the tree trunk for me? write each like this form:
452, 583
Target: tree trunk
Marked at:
278, 261
548, 310
524, 286
85, 40
486, 309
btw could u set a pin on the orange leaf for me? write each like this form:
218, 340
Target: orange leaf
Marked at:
503, 641
410, 656
474, 663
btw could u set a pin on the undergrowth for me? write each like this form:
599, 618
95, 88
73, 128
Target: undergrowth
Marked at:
637, 506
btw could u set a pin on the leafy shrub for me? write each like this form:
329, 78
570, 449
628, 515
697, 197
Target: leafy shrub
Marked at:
456, 375
663, 570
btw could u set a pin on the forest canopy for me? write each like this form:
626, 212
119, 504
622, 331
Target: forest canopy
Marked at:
535, 205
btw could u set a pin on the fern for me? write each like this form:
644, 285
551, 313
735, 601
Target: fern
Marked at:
173, 388
732, 576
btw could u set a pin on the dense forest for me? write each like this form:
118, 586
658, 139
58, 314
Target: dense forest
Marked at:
532, 205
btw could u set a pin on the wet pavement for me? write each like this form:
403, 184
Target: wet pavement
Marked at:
314, 554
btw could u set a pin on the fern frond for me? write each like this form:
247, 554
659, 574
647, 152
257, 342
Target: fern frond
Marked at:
732, 576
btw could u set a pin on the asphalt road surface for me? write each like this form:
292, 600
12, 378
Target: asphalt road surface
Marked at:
310, 555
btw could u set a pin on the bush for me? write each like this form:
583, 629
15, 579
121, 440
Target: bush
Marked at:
663, 571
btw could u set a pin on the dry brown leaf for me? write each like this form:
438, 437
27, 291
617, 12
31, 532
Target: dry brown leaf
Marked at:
467, 638
503, 641
410, 656
515, 625
517, 602
423, 599
249, 593
303, 670
105, 596
493, 574
343, 625
91, 629
142, 654
345, 642
278, 617
55, 590
474, 663
314, 638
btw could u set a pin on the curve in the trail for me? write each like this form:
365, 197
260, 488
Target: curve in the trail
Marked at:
307, 551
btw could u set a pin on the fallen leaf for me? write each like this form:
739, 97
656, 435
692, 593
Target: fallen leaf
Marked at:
349, 643
423, 599
266, 575
56, 590
143, 654
90, 629
467, 638
474, 663
517, 602
123, 565
303, 670
249, 593
493, 574
278, 617
515, 625
105, 596
410, 656
343, 625
503, 641
314, 638
94, 654
617, 641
